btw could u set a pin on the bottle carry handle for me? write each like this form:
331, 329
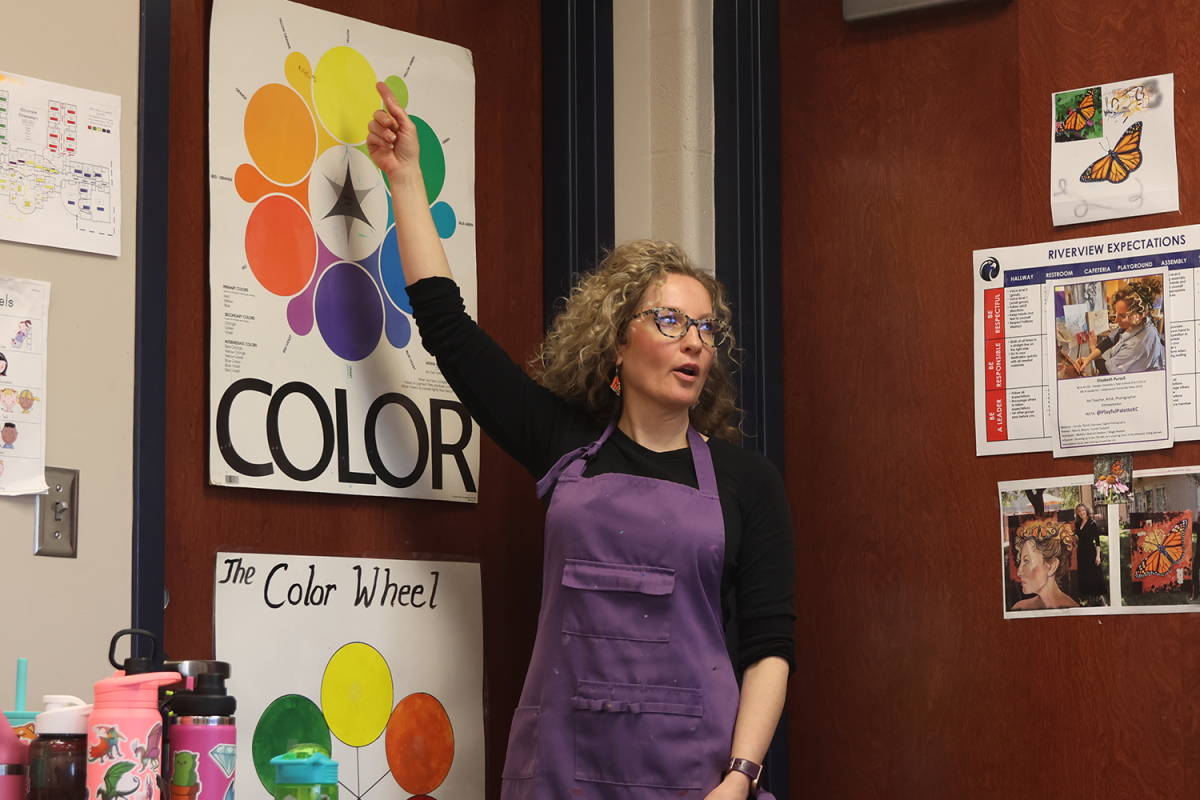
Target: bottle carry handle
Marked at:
134, 666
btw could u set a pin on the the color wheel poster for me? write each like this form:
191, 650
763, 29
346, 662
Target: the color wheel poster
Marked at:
377, 662
318, 381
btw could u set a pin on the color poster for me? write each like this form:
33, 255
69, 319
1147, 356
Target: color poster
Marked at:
1113, 151
377, 662
61, 150
24, 324
317, 378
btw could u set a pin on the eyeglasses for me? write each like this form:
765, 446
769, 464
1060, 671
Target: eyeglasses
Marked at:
674, 324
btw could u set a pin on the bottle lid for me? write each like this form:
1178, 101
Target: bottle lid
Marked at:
64, 715
305, 764
133, 691
207, 697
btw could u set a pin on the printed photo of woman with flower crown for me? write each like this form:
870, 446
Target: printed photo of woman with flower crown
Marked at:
1055, 548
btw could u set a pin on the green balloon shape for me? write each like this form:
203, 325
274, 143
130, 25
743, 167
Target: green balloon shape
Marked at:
433, 160
398, 87
290, 720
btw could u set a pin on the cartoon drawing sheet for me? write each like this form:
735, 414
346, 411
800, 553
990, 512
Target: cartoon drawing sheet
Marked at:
318, 381
1112, 151
24, 320
60, 165
378, 661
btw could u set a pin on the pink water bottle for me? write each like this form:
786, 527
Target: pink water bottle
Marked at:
203, 735
125, 729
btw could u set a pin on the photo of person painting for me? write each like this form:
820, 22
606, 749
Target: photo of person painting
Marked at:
1044, 549
1136, 343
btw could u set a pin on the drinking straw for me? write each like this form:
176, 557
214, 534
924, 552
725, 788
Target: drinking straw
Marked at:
22, 669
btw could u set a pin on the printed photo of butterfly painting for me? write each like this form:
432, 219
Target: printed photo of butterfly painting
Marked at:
1160, 558
1112, 151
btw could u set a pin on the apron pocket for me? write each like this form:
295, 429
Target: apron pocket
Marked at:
617, 601
522, 743
638, 735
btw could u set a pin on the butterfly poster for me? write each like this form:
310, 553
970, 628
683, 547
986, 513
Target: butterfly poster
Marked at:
1112, 151
1160, 548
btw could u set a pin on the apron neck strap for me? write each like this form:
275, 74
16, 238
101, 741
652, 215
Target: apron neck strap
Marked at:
706, 476
571, 464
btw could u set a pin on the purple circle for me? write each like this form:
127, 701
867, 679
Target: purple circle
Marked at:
349, 311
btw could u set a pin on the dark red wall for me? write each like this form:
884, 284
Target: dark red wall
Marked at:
908, 143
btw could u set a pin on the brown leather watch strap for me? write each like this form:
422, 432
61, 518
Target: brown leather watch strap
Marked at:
747, 768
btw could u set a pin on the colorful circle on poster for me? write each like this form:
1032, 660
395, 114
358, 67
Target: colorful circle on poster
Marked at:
281, 247
344, 93
419, 743
356, 689
275, 108
290, 720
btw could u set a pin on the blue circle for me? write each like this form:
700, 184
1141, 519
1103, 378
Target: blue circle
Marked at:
443, 219
392, 272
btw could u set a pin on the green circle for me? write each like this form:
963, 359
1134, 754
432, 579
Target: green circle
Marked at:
433, 160
290, 720
399, 88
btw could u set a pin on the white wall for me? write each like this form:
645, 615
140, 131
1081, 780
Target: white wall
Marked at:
61, 613
663, 123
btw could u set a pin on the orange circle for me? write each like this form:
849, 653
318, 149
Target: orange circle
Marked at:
281, 245
280, 133
419, 743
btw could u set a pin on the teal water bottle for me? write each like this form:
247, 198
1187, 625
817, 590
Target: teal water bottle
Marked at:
306, 772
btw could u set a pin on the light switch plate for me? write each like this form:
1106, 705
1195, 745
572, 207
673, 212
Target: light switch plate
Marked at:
56, 519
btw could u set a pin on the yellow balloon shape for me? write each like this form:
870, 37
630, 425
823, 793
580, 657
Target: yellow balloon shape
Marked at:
356, 694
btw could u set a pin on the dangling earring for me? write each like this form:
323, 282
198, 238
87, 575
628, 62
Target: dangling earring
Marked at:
616, 382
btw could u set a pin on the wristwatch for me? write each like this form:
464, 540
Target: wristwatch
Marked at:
747, 768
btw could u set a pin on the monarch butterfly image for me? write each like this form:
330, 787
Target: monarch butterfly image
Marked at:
1166, 550
1120, 161
1078, 118
1115, 472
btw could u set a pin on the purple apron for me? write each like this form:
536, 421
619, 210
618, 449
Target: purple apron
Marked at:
630, 693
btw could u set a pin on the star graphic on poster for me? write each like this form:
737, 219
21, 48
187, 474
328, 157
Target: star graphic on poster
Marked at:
349, 202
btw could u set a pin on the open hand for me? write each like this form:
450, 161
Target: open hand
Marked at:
392, 136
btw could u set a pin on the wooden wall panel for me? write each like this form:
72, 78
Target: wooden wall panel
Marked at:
907, 143
503, 530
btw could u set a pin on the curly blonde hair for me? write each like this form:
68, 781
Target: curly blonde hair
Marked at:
1138, 298
578, 357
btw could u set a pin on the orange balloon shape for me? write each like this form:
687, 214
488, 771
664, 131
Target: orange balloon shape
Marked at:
252, 186
419, 743
280, 133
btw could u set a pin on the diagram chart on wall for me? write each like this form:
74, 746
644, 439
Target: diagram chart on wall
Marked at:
24, 324
318, 381
377, 662
60, 165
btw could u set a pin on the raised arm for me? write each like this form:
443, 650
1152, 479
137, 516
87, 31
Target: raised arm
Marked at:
393, 147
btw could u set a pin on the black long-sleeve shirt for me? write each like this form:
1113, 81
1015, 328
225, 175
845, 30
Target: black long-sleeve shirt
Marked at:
536, 427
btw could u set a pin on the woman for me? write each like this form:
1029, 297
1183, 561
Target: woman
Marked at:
1136, 347
1092, 584
651, 528
1044, 559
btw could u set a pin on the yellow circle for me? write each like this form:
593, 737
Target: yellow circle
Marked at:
344, 93
356, 694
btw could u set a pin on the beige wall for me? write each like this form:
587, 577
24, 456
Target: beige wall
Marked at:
663, 123
61, 613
